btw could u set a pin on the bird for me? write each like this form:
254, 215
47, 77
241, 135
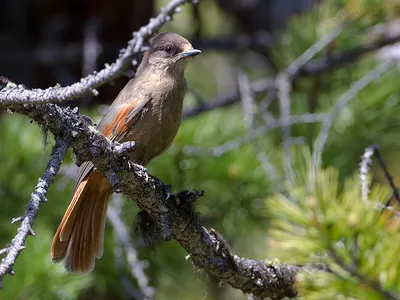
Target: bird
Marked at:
148, 112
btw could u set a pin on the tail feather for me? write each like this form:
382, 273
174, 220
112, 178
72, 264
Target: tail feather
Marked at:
68, 221
99, 226
79, 238
61, 238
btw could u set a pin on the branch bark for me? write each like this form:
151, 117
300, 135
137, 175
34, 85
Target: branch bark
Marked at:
129, 55
38, 196
172, 215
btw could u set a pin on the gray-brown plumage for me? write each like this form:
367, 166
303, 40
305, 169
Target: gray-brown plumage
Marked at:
147, 111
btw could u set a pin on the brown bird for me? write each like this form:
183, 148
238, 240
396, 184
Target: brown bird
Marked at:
147, 111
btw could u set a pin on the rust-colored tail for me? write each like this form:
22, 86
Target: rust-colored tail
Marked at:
79, 238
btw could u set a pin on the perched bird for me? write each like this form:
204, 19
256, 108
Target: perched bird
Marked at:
147, 111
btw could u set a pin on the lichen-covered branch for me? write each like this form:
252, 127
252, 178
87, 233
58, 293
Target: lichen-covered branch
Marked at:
171, 215
38, 196
87, 85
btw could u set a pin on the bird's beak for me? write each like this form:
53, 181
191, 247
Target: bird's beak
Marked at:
191, 52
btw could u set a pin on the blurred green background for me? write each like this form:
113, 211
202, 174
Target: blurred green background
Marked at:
238, 190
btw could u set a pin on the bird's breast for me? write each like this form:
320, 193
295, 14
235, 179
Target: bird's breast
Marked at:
158, 123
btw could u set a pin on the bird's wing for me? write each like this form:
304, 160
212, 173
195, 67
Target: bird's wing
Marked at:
115, 124
120, 118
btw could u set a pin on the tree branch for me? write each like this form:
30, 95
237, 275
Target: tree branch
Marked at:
365, 166
38, 196
386, 172
340, 104
345, 57
308, 69
172, 215
129, 55
135, 266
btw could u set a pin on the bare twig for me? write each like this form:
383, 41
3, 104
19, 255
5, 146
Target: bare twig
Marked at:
385, 170
38, 196
91, 46
246, 94
256, 133
345, 57
259, 86
303, 59
87, 85
258, 42
296, 70
340, 104
365, 165
284, 87
136, 266
249, 111
130, 290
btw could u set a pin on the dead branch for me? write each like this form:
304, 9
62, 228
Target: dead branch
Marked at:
87, 86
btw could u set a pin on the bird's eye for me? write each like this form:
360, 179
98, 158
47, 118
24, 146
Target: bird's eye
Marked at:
168, 49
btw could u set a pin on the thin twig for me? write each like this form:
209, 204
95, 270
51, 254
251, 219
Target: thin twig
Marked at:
351, 93
310, 68
233, 97
365, 165
249, 111
256, 133
385, 170
284, 88
38, 196
257, 42
136, 267
91, 46
295, 66
345, 57
87, 85
131, 291
246, 95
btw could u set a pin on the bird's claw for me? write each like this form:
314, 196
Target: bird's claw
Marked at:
115, 183
144, 173
167, 191
124, 147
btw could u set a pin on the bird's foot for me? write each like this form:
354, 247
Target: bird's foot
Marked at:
143, 172
115, 183
125, 147
167, 191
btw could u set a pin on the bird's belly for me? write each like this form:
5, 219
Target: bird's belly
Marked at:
152, 137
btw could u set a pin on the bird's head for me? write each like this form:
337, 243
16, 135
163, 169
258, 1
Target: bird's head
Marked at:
169, 51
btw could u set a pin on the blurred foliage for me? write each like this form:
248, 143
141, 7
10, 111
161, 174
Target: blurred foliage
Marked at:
323, 222
309, 219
